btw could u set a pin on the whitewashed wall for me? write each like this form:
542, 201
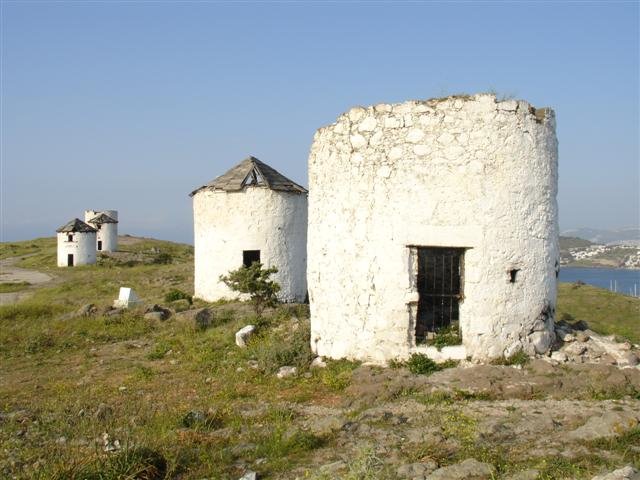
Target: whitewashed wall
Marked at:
459, 172
83, 248
108, 232
226, 223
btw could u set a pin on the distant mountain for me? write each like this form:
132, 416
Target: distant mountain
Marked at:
627, 235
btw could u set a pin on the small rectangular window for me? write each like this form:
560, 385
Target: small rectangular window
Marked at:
69, 238
250, 256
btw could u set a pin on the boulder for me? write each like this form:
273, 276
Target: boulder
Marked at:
287, 371
609, 424
244, 334
250, 475
157, 312
318, 362
87, 310
625, 473
469, 469
415, 471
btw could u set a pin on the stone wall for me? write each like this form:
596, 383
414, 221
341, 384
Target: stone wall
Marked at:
469, 172
227, 223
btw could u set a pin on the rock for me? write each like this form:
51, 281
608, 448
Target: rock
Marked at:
581, 336
244, 334
87, 310
609, 424
541, 341
627, 359
287, 371
154, 316
127, 298
164, 312
525, 475
112, 312
103, 412
197, 418
469, 469
567, 337
575, 349
415, 471
203, 319
326, 424
250, 475
318, 362
559, 357
626, 473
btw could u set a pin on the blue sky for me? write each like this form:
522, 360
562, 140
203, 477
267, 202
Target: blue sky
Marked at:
131, 105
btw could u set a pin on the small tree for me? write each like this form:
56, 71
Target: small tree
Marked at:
254, 280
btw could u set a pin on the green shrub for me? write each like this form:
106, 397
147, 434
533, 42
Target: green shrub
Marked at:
421, 364
254, 280
445, 337
162, 259
518, 358
139, 463
176, 294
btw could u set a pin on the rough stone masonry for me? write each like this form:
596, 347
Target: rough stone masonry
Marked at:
392, 184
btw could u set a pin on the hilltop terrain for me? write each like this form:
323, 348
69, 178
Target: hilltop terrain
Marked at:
88, 392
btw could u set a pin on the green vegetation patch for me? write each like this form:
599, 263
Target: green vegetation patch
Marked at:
10, 287
605, 312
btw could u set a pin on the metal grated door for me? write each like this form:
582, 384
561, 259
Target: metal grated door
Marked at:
439, 288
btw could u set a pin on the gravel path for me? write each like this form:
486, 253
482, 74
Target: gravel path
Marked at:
9, 273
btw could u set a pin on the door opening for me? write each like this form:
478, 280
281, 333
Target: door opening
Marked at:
250, 256
99, 245
70, 260
439, 283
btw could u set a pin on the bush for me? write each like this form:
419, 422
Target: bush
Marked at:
254, 280
518, 358
162, 259
176, 294
421, 364
445, 337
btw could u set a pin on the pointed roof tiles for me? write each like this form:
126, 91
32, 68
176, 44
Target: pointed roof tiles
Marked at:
252, 171
76, 225
102, 218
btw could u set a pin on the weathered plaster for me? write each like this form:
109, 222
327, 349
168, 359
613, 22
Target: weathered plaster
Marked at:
255, 218
83, 248
107, 232
468, 172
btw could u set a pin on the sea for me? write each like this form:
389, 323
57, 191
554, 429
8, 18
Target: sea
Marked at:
625, 281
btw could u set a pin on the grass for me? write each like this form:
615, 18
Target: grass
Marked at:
13, 287
606, 312
187, 403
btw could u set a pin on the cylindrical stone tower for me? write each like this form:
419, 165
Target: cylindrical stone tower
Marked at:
106, 223
427, 215
76, 244
251, 213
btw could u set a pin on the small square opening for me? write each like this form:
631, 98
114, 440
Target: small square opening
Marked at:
250, 256
70, 238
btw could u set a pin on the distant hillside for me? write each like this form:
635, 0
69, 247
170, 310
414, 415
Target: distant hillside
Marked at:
627, 235
573, 242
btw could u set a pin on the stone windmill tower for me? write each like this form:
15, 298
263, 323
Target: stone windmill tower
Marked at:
76, 244
251, 213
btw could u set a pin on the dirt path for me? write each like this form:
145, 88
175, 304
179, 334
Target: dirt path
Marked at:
9, 273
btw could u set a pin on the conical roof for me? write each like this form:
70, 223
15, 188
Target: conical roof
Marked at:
76, 225
252, 172
102, 218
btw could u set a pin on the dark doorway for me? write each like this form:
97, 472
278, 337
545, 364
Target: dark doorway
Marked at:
70, 260
439, 288
250, 256
99, 245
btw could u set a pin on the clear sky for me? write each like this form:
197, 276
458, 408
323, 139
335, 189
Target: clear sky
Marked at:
131, 105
